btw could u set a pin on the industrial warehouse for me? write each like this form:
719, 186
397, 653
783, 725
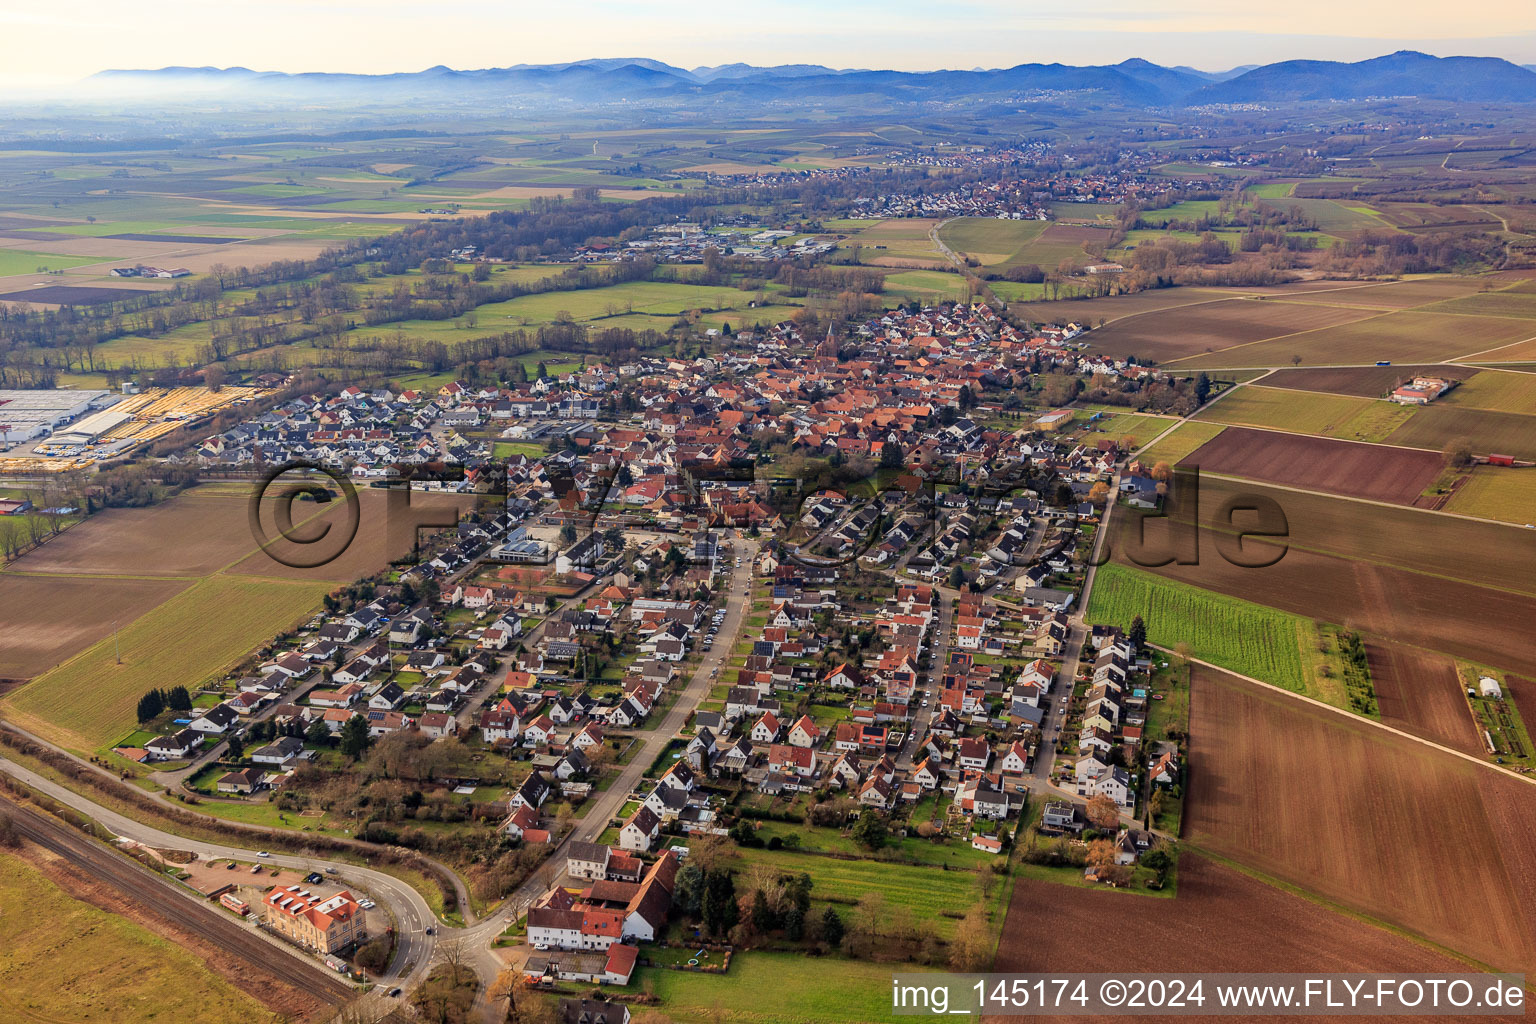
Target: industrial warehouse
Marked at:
64, 428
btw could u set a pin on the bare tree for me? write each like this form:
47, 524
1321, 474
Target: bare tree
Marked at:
454, 954
971, 947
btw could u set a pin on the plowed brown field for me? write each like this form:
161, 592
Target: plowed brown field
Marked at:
192, 534
1456, 586
383, 533
1420, 692
1361, 381
1381, 824
1221, 920
1456, 618
1214, 326
48, 619
1523, 692
1319, 463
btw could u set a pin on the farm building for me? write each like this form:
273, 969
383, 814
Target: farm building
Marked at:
1421, 391
1489, 687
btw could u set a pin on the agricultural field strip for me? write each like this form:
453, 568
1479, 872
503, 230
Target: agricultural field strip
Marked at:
164, 256
1354, 324
1342, 712
1299, 300
1328, 903
223, 570
1483, 351
1248, 425
19, 701
1238, 293
1362, 720
44, 574
1384, 563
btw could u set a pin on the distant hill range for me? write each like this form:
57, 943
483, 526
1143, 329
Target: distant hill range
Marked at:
639, 80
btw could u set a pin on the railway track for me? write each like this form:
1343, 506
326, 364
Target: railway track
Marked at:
143, 887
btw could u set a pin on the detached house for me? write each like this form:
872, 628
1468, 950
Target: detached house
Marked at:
640, 831
804, 733
792, 759
766, 729
216, 721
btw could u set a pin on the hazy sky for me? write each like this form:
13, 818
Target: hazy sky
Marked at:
51, 43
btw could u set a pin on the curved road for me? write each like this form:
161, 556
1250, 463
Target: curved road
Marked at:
412, 914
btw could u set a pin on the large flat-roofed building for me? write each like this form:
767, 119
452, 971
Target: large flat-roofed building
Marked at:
323, 924
26, 415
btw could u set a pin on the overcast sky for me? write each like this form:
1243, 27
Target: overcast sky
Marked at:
63, 42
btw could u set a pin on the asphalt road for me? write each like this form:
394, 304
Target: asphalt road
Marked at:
411, 912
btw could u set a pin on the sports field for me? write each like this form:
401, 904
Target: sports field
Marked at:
1139, 428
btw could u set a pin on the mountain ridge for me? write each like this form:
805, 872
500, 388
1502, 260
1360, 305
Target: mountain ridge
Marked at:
1133, 82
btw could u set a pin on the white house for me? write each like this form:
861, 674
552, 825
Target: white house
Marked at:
640, 831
